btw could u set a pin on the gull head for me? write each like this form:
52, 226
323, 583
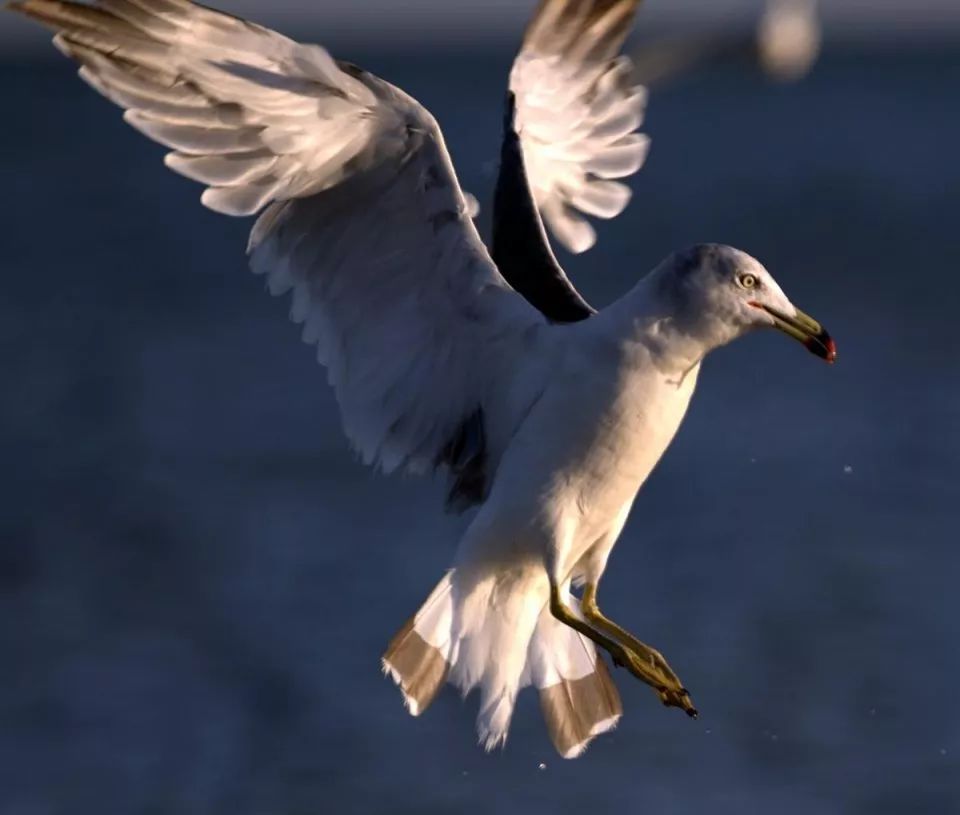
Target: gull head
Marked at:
719, 293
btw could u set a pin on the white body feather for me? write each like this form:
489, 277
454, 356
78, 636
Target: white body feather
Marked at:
614, 401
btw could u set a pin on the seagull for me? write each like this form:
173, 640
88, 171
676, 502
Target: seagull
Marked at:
785, 45
546, 414
789, 37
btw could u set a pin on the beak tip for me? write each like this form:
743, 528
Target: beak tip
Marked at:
824, 347
804, 328
831, 351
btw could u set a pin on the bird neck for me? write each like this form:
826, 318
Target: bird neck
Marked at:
653, 321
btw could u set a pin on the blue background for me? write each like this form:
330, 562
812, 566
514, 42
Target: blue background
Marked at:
197, 579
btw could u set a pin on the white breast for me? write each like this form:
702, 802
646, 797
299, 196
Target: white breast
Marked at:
587, 446
631, 436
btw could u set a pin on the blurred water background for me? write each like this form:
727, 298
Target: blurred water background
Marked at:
197, 579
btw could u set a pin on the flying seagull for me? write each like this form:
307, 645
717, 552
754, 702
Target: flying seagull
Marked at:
546, 414
785, 45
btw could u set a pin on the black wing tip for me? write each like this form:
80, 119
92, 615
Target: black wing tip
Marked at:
510, 114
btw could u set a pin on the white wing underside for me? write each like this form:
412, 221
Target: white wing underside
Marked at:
577, 111
365, 224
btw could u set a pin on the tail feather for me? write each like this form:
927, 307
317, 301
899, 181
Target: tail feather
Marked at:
493, 721
502, 637
577, 710
418, 657
577, 695
498, 613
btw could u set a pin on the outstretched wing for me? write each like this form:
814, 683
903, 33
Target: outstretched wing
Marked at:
577, 110
365, 222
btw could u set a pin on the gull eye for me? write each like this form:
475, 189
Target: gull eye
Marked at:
747, 281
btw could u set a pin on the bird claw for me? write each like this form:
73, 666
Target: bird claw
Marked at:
678, 698
668, 688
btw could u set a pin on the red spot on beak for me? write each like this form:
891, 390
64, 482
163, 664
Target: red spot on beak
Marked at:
831, 347
802, 327
823, 346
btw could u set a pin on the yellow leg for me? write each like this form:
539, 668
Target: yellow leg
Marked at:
672, 693
622, 655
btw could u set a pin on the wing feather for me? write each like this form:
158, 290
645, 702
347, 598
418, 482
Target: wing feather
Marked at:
362, 221
577, 112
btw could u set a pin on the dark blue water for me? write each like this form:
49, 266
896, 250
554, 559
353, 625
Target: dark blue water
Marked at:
197, 580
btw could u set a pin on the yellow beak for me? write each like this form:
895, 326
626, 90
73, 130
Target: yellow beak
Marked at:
805, 329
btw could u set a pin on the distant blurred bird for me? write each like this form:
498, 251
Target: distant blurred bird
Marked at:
545, 413
785, 46
788, 38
